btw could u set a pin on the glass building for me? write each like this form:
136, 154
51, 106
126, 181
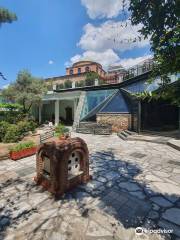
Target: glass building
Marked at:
114, 104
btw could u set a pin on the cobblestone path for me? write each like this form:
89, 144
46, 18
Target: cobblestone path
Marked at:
135, 184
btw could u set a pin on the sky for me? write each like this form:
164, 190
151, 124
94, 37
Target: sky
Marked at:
50, 35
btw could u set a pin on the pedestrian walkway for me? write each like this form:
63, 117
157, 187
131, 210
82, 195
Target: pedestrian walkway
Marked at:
134, 184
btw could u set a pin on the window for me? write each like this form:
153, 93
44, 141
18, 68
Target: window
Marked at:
87, 69
79, 70
71, 71
46, 167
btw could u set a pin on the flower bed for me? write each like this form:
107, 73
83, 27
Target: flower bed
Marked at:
22, 150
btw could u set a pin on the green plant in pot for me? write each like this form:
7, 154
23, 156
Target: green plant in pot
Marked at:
22, 150
61, 131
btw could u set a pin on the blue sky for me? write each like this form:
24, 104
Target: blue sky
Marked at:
52, 34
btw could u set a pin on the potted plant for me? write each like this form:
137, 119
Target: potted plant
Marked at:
22, 150
62, 132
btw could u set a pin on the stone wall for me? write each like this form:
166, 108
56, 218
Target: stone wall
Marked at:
118, 121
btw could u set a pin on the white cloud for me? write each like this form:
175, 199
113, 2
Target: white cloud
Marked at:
50, 62
103, 8
129, 62
105, 58
111, 35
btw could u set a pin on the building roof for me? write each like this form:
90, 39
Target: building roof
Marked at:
85, 62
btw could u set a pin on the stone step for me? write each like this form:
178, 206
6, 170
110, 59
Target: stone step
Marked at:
87, 124
130, 132
84, 130
122, 136
125, 134
146, 138
94, 128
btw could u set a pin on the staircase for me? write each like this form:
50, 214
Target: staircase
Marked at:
125, 134
78, 111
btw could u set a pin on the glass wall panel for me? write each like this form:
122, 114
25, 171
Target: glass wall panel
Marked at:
143, 86
117, 104
94, 98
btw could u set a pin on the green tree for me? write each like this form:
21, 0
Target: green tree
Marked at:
90, 78
6, 16
27, 91
168, 92
67, 84
80, 83
160, 23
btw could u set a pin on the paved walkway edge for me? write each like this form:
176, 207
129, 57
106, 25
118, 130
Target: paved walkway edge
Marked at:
175, 144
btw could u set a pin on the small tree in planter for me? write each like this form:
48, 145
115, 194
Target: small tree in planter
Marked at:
22, 150
61, 131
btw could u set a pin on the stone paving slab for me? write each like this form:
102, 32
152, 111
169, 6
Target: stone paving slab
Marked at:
135, 184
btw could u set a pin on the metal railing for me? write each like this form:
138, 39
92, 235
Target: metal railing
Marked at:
138, 70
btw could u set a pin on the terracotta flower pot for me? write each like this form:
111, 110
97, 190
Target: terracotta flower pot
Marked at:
23, 153
62, 137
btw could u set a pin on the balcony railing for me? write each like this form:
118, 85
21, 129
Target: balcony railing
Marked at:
138, 70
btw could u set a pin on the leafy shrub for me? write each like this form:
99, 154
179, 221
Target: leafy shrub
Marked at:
101, 81
90, 78
22, 146
10, 112
23, 127
3, 128
61, 130
26, 126
60, 86
10, 106
67, 84
32, 125
80, 83
10, 116
12, 134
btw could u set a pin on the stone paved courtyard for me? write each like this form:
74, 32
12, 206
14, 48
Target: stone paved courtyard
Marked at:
135, 184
